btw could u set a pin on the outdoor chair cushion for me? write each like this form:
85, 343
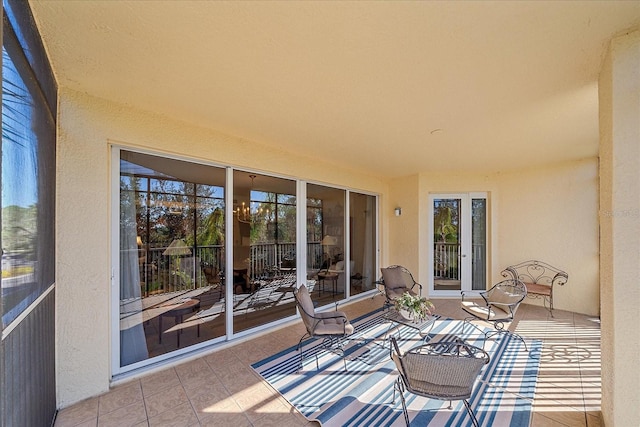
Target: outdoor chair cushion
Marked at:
492, 312
396, 293
332, 323
502, 296
393, 279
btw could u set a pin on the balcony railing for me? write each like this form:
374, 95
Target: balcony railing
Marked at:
447, 266
162, 273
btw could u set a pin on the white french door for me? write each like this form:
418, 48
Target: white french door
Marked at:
457, 243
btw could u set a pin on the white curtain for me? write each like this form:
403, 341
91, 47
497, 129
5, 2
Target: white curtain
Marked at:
368, 262
133, 343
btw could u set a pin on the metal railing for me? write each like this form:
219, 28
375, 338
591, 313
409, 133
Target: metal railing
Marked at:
169, 273
447, 264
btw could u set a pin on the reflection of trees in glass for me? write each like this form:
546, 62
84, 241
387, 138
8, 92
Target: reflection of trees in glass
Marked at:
19, 165
478, 218
19, 229
314, 220
169, 209
274, 218
211, 228
445, 221
16, 104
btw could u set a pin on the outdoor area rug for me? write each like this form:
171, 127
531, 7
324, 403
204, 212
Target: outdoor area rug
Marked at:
363, 394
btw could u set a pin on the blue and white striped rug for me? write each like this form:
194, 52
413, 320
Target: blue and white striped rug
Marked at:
363, 394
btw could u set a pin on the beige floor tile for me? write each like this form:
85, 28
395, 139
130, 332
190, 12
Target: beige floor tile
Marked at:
566, 418
165, 400
594, 418
182, 415
239, 380
191, 373
125, 416
541, 420
218, 420
159, 381
229, 363
206, 405
85, 411
120, 396
278, 420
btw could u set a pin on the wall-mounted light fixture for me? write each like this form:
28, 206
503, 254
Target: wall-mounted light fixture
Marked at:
398, 211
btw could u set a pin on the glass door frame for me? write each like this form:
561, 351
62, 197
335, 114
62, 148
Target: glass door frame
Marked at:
465, 236
121, 371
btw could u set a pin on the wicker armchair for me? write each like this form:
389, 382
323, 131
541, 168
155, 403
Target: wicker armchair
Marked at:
331, 326
397, 280
498, 306
442, 370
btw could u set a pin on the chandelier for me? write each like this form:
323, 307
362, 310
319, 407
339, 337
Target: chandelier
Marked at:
248, 214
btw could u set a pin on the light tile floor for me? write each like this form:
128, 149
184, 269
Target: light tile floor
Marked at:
221, 388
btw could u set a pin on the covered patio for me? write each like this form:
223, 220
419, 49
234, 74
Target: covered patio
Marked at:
221, 388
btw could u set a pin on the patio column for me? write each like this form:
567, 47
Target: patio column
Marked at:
619, 96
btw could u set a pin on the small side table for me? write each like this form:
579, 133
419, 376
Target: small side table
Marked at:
332, 277
396, 320
177, 312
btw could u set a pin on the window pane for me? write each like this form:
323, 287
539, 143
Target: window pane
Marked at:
326, 273
172, 232
479, 244
28, 189
362, 267
264, 249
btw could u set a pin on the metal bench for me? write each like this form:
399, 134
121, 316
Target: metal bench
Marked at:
539, 278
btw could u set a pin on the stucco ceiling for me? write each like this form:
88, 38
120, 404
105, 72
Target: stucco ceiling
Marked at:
389, 88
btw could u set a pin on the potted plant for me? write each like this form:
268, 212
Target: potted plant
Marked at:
414, 307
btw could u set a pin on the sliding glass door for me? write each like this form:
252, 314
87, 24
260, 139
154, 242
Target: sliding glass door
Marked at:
264, 249
326, 272
200, 261
171, 255
362, 242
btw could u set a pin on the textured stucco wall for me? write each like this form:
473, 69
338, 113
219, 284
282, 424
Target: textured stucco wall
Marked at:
619, 93
548, 213
86, 127
404, 229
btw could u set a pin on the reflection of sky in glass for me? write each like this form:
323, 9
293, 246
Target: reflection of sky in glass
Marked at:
19, 145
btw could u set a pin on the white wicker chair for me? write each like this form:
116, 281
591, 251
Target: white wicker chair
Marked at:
442, 370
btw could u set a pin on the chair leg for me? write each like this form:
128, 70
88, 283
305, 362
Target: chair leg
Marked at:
474, 420
400, 388
507, 332
301, 350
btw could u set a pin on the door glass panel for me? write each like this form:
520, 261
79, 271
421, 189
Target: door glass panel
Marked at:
446, 246
478, 244
264, 249
326, 272
171, 255
362, 245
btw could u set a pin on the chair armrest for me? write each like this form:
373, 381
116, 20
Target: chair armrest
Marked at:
476, 293
419, 285
560, 279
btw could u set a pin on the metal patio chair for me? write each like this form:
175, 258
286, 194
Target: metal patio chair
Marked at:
442, 371
397, 280
498, 306
331, 326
